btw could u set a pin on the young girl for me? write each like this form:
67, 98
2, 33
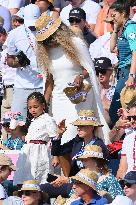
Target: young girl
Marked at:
35, 160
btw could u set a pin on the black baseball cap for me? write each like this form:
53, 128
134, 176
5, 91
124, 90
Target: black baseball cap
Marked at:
77, 13
130, 177
102, 63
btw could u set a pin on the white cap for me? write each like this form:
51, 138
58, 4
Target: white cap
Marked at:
122, 200
13, 124
31, 13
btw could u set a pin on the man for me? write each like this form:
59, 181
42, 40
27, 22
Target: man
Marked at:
77, 18
104, 70
128, 154
23, 39
130, 185
85, 187
91, 9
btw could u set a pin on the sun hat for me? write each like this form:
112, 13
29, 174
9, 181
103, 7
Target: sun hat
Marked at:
76, 95
128, 96
121, 200
31, 14
91, 151
130, 177
87, 117
77, 13
46, 26
87, 177
5, 160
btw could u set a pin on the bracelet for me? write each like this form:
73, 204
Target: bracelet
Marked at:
132, 75
116, 31
116, 128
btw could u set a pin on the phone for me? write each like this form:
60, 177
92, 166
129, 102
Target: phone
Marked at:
51, 178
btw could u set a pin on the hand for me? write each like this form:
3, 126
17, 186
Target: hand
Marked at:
122, 123
130, 81
61, 128
55, 161
122, 113
78, 81
60, 181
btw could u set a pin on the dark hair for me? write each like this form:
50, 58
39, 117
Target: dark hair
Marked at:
40, 98
3, 31
23, 129
121, 6
102, 165
132, 3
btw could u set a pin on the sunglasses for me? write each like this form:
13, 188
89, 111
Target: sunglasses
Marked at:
131, 117
103, 71
127, 184
74, 20
27, 193
77, 182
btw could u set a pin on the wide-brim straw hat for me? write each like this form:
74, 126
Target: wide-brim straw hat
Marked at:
87, 117
91, 151
46, 26
75, 95
87, 177
6, 161
128, 96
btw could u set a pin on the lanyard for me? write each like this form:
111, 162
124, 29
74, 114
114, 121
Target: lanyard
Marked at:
134, 154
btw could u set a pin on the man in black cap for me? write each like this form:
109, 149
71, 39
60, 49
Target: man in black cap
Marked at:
77, 18
130, 185
104, 70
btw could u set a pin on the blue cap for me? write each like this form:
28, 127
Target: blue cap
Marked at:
130, 177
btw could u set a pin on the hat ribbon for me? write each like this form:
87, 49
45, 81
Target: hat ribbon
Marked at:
82, 93
86, 178
33, 186
94, 154
50, 23
87, 118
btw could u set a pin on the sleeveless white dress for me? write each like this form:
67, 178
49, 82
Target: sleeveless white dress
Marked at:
34, 161
64, 71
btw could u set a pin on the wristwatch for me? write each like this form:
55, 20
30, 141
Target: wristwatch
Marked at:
132, 75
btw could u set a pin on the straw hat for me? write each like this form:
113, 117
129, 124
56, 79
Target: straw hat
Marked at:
87, 117
91, 151
46, 26
75, 95
6, 161
128, 96
87, 177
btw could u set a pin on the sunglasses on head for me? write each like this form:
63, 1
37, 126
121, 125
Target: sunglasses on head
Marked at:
103, 71
131, 117
27, 193
74, 20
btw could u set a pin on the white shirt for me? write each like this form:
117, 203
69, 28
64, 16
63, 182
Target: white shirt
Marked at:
91, 8
8, 73
134, 17
128, 150
18, 40
3, 193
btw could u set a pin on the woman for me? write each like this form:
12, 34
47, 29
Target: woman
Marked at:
31, 193
92, 158
46, 7
124, 36
6, 167
64, 58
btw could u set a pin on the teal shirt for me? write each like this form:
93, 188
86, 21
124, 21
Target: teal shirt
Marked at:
127, 44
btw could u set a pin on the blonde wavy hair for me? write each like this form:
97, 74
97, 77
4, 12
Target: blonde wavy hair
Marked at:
63, 36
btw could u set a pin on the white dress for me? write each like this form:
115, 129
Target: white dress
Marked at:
64, 71
34, 162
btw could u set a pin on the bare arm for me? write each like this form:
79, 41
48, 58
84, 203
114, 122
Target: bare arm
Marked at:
48, 88
113, 41
122, 167
130, 80
13, 11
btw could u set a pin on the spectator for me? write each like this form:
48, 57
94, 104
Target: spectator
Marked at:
104, 70
5, 14
6, 167
92, 158
91, 9
18, 18
102, 26
47, 7
127, 52
121, 200
85, 187
26, 80
77, 18
130, 185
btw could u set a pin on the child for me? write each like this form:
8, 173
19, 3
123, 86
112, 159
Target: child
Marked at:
15, 127
35, 159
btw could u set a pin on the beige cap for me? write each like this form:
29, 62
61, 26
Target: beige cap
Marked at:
5, 160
